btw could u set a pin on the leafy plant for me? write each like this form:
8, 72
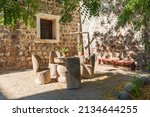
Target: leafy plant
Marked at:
64, 50
88, 8
79, 47
148, 67
14, 11
137, 86
137, 12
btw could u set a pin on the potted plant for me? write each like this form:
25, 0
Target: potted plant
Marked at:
79, 49
64, 51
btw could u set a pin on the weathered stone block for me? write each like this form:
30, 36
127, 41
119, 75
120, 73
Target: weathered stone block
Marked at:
123, 95
11, 60
73, 76
129, 87
36, 61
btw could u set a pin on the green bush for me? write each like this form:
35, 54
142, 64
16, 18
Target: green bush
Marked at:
137, 86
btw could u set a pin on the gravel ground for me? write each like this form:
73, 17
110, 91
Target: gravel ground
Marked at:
20, 85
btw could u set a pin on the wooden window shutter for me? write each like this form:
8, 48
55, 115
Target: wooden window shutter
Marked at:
46, 29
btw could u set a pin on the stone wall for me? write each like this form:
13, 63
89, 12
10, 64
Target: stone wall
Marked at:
108, 33
106, 25
16, 48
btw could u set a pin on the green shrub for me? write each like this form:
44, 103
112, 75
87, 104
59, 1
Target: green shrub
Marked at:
137, 86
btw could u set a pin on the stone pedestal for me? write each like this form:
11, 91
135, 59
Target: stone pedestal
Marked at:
73, 76
61, 68
53, 71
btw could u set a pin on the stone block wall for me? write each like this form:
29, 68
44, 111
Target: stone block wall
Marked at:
125, 39
16, 48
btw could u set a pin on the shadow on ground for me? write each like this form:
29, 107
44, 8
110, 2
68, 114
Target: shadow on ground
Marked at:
93, 89
20, 85
4, 71
2, 97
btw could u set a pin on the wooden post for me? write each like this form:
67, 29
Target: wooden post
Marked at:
89, 52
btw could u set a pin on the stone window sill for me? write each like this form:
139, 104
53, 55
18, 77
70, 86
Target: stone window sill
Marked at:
46, 41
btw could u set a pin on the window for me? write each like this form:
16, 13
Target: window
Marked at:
48, 27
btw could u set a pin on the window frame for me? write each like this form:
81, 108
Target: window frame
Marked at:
55, 19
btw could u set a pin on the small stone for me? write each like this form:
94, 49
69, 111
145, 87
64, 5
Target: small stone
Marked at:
18, 65
22, 58
129, 87
1, 54
7, 54
33, 48
44, 48
28, 58
123, 95
11, 60
20, 53
39, 53
45, 53
24, 64
145, 80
